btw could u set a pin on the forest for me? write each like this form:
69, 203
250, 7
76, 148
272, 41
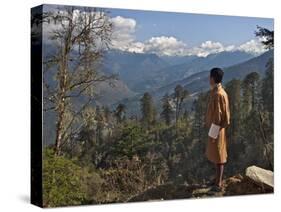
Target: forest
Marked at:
102, 154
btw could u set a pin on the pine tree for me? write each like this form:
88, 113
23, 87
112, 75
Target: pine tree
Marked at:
100, 124
148, 110
180, 95
235, 143
251, 95
199, 108
120, 113
267, 87
266, 115
167, 110
107, 113
267, 37
233, 89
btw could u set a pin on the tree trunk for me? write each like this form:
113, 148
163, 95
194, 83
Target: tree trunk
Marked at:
61, 104
59, 129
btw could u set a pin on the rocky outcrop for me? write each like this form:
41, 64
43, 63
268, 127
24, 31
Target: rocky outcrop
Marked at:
261, 177
242, 185
255, 181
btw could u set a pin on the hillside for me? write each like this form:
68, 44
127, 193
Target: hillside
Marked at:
140, 72
133, 68
200, 82
199, 64
145, 72
236, 185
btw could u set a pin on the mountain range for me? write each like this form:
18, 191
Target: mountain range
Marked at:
145, 72
196, 80
139, 73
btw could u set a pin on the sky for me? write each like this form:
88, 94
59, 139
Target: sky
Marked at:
193, 28
170, 33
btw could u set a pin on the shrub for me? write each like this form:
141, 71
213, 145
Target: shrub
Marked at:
62, 181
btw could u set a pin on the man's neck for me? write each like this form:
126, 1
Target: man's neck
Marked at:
217, 85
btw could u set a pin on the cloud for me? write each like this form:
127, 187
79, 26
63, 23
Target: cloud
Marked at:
165, 46
137, 47
161, 45
123, 38
123, 32
210, 47
253, 46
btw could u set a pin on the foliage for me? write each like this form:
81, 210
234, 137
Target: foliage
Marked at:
167, 110
267, 37
148, 110
61, 181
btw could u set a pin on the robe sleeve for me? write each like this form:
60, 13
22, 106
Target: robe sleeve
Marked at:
220, 111
226, 112
217, 110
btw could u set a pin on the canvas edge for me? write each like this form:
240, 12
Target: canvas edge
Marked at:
36, 111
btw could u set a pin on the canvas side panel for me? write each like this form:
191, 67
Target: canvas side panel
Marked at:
36, 106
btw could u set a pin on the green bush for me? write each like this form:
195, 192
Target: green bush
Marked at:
63, 181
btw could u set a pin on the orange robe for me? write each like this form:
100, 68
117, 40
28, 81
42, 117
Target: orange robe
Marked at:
218, 113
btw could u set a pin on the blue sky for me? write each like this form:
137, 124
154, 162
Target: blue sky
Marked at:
170, 33
193, 28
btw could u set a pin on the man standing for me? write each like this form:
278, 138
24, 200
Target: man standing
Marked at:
217, 120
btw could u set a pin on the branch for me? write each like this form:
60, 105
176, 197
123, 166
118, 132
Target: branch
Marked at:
82, 82
72, 120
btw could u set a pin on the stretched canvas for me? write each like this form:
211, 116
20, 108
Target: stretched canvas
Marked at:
122, 103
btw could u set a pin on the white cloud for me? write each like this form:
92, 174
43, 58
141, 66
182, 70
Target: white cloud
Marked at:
161, 45
123, 32
210, 47
158, 45
253, 46
123, 38
137, 47
165, 46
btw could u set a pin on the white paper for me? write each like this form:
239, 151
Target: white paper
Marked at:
214, 131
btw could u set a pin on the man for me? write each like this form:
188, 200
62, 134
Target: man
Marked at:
217, 120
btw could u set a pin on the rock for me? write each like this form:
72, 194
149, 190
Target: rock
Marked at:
164, 192
261, 177
171, 191
256, 181
239, 185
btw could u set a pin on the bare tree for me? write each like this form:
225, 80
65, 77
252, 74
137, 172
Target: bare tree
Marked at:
79, 38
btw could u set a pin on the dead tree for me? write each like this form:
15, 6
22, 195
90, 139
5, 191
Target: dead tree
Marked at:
79, 38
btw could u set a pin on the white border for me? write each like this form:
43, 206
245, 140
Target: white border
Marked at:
15, 102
